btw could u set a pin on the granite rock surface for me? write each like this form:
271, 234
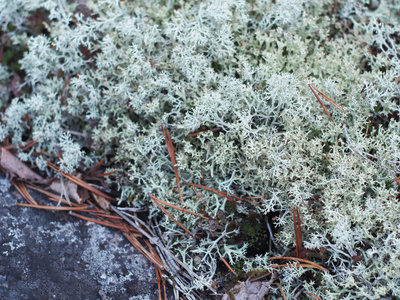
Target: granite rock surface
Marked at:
52, 255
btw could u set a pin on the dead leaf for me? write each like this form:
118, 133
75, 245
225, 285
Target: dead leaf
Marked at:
248, 291
104, 204
70, 188
16, 167
83, 193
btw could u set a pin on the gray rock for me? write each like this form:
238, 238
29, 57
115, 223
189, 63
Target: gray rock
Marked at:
52, 255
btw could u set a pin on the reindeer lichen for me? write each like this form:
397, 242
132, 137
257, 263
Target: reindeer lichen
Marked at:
236, 73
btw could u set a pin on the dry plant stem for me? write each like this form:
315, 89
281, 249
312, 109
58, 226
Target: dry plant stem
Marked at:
156, 241
349, 143
294, 266
179, 281
137, 220
63, 192
73, 132
171, 152
298, 293
134, 209
271, 235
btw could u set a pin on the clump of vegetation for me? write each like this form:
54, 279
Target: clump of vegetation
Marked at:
235, 84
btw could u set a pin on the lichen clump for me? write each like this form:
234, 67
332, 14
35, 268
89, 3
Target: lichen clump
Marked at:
103, 76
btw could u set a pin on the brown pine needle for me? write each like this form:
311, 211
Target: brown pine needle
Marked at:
45, 207
297, 231
153, 257
281, 290
52, 197
80, 182
313, 296
320, 101
397, 180
170, 216
103, 174
104, 223
328, 98
158, 282
200, 196
164, 287
21, 188
29, 145
260, 276
227, 265
305, 261
97, 166
26, 147
197, 133
108, 216
171, 152
294, 266
222, 194
219, 193
182, 209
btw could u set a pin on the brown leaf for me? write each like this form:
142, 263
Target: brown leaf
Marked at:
104, 204
83, 193
70, 188
17, 168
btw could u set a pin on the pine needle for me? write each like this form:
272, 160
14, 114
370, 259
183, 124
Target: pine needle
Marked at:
313, 89
170, 216
182, 209
171, 152
297, 230
320, 102
80, 182
297, 259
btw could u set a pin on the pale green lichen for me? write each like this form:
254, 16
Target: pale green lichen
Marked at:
243, 67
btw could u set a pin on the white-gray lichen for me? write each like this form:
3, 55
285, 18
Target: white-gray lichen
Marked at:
243, 67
